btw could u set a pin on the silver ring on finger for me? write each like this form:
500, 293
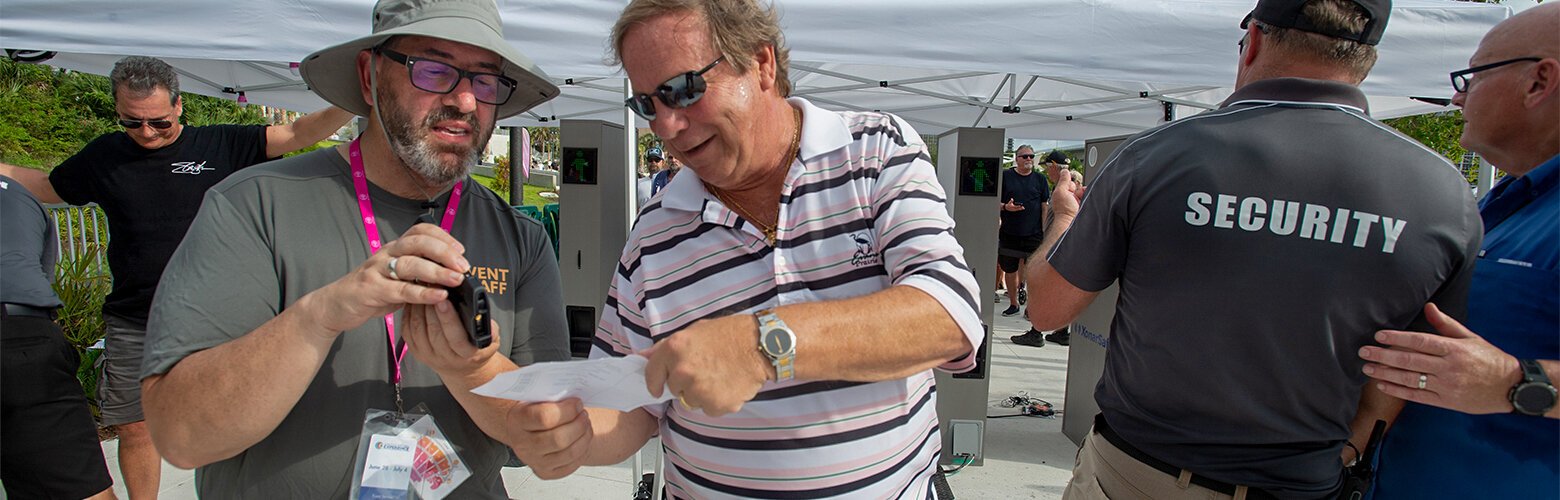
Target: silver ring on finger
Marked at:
391, 265
1423, 378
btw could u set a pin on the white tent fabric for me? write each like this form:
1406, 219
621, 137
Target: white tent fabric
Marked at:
1107, 64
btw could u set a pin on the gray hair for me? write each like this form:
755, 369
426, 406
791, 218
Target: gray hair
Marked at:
1338, 15
738, 28
139, 76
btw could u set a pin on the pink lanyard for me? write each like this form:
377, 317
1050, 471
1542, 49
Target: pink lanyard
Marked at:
371, 231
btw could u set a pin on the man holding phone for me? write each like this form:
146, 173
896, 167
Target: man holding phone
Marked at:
1024, 197
281, 332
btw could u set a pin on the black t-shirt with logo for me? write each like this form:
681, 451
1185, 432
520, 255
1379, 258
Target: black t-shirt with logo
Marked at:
150, 198
1031, 191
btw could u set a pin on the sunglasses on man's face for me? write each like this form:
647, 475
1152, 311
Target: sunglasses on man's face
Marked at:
679, 92
159, 124
439, 78
1027, 157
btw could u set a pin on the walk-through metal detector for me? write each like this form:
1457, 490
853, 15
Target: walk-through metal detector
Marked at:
594, 197
969, 167
1091, 330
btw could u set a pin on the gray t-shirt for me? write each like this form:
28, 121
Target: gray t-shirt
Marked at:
27, 248
1258, 247
269, 235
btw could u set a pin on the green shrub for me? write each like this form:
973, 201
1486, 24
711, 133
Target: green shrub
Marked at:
501, 175
82, 284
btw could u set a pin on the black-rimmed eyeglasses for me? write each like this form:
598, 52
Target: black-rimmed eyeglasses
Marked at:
1461, 79
159, 124
440, 78
679, 92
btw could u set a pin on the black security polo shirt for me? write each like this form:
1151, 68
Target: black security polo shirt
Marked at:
1258, 247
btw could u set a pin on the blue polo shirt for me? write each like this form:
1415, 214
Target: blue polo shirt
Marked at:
1437, 453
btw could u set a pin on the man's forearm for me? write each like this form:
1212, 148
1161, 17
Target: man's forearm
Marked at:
1374, 405
886, 335
1055, 226
305, 131
216, 403
36, 181
488, 413
618, 435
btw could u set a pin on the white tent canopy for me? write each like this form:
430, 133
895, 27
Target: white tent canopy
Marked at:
1073, 69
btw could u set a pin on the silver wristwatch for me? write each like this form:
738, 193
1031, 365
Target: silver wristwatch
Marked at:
778, 343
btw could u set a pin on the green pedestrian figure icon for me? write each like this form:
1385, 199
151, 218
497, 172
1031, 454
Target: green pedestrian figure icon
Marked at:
980, 176
580, 165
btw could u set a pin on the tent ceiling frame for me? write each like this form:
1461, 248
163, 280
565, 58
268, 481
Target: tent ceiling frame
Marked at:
976, 102
859, 108
263, 69
1155, 95
875, 84
1004, 83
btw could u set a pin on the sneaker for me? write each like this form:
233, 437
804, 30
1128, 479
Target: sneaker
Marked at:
1023, 295
1059, 337
1001, 294
1011, 310
1030, 338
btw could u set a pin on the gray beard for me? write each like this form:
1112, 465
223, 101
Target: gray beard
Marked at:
422, 157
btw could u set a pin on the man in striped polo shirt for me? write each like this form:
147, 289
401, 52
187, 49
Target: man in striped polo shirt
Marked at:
822, 235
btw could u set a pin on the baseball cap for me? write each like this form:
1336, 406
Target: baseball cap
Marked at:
332, 72
653, 154
1291, 14
1057, 157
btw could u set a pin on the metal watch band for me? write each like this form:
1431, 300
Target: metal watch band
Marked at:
784, 363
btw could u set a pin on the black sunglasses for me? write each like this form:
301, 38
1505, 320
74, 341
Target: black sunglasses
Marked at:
440, 78
1027, 157
159, 124
679, 92
1247, 38
1461, 79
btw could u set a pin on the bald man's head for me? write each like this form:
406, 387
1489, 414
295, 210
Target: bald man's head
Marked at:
1511, 108
1530, 33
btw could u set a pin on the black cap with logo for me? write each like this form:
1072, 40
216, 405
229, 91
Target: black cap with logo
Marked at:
1291, 14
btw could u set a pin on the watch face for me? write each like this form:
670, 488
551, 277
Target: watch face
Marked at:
777, 342
1534, 399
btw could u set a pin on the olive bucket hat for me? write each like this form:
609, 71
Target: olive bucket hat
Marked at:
332, 72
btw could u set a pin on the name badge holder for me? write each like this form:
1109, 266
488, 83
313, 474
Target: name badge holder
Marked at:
403, 456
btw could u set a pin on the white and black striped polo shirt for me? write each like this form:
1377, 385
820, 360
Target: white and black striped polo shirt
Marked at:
860, 211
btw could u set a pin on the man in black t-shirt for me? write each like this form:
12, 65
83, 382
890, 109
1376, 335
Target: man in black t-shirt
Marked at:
150, 180
1024, 196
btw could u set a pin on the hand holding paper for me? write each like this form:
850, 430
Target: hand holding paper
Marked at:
615, 383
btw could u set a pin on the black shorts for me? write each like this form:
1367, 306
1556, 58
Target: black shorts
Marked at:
1013, 250
48, 442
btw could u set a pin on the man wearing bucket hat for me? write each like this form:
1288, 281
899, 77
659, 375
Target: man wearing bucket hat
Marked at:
283, 324
1248, 280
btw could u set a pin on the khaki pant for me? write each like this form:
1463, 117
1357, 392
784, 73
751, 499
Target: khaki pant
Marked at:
1105, 472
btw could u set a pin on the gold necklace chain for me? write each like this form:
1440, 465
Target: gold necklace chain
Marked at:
768, 230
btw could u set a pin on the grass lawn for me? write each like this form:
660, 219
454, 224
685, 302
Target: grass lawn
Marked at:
532, 193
